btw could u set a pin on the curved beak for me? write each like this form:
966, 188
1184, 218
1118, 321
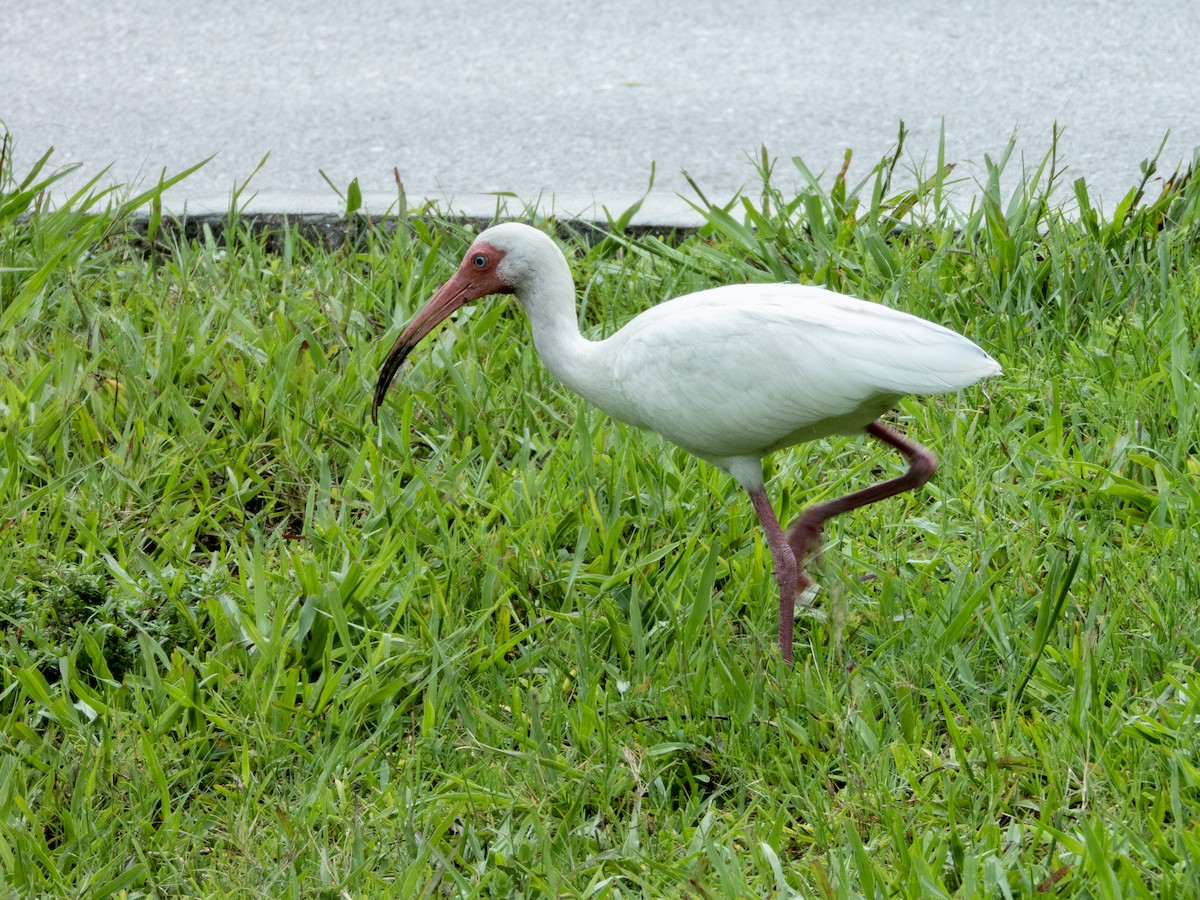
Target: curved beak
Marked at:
464, 286
453, 294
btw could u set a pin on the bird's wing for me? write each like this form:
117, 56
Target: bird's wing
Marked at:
750, 368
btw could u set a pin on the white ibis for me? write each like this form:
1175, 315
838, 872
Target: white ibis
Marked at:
729, 374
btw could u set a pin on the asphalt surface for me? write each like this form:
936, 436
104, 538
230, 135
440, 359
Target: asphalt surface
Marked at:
572, 103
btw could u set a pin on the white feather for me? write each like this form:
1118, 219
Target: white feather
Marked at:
749, 369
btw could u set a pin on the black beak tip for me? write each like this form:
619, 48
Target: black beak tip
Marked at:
387, 375
377, 401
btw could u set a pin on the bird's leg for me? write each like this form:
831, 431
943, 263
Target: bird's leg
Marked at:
805, 534
785, 568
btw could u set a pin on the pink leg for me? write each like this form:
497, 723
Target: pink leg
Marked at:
805, 534
785, 568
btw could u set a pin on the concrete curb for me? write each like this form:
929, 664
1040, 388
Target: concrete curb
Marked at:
321, 217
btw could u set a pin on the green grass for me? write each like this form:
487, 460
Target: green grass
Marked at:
502, 646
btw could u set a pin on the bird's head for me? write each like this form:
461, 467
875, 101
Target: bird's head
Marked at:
509, 258
483, 271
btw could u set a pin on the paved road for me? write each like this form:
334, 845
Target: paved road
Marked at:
544, 96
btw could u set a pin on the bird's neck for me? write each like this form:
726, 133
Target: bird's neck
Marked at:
549, 304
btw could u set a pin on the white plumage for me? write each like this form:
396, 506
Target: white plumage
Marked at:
729, 374
754, 368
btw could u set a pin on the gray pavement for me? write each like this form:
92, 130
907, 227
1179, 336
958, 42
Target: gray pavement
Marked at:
570, 103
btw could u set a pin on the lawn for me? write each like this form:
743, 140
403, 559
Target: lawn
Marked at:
500, 646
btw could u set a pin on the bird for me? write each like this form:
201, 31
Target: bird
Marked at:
730, 374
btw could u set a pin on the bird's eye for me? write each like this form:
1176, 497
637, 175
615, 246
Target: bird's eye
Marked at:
479, 261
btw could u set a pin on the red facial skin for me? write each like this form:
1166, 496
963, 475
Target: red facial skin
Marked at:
477, 276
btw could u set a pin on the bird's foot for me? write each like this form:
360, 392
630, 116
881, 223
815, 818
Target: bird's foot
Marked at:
804, 537
806, 592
